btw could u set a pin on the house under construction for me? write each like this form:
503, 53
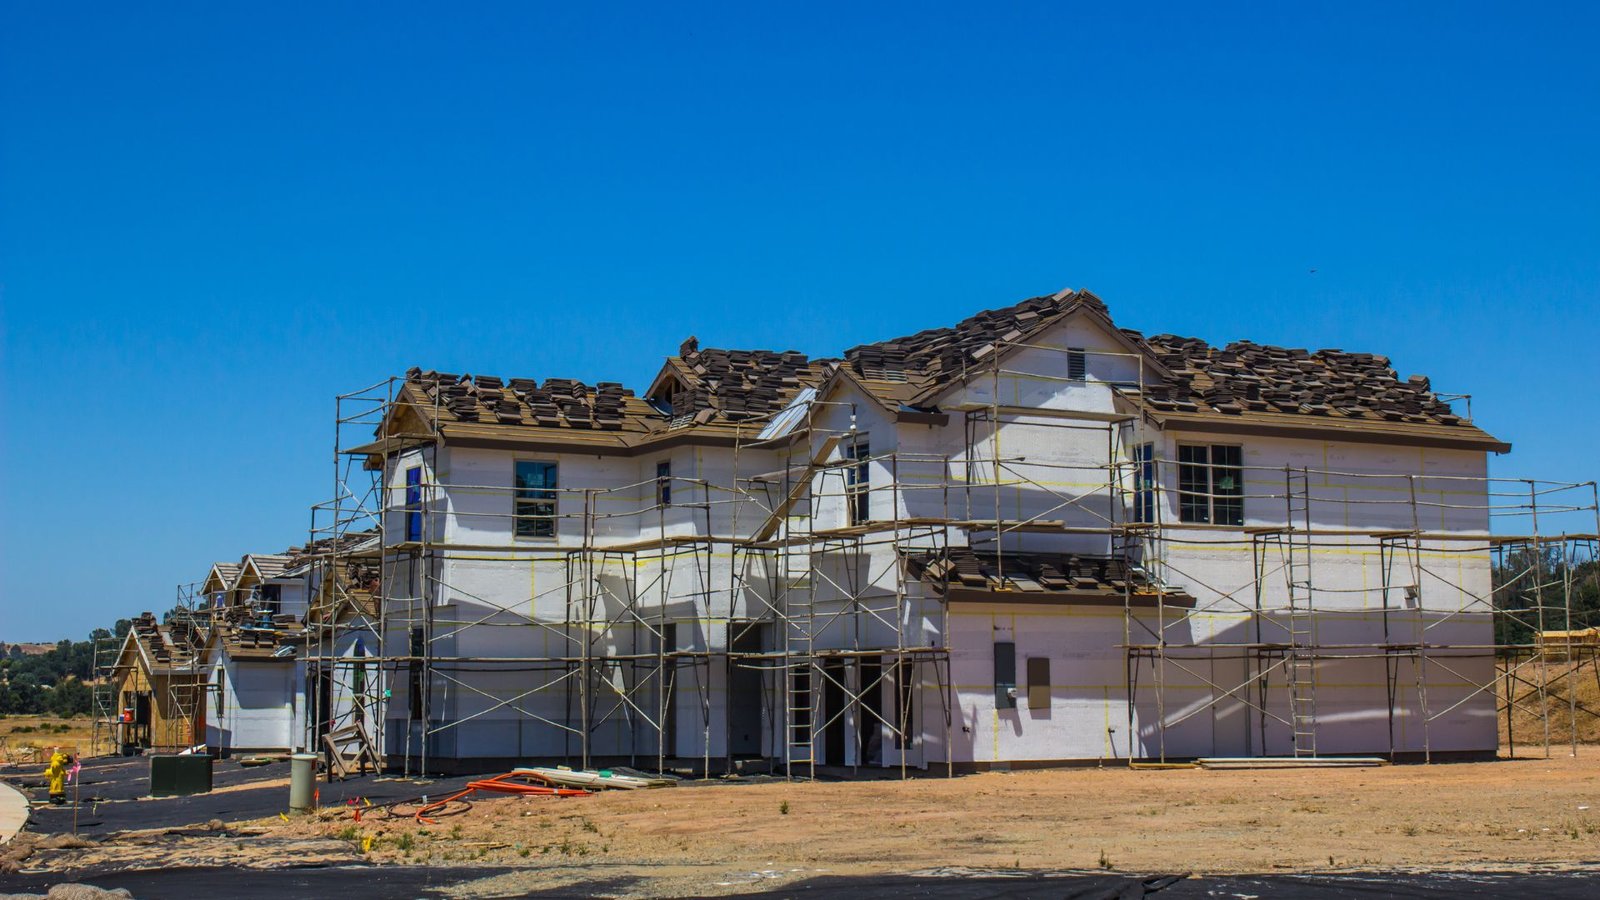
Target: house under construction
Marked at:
154, 687
1032, 538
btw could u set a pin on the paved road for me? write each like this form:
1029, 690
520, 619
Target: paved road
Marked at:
395, 882
13, 811
113, 796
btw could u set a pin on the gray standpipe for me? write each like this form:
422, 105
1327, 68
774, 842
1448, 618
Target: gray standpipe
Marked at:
302, 781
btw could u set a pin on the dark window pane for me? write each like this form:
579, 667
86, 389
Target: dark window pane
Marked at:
414, 503
535, 499
1144, 507
1227, 485
1194, 484
858, 482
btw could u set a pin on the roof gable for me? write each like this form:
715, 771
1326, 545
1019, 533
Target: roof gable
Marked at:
935, 361
222, 577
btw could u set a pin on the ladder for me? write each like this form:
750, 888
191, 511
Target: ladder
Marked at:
799, 660
1300, 659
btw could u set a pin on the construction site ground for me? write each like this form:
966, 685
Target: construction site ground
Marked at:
1526, 815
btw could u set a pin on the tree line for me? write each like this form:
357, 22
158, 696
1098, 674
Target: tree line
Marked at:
1529, 579
56, 681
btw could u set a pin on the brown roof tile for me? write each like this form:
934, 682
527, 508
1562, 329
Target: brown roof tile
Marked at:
1244, 378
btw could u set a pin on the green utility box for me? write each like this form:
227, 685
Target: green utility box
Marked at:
180, 776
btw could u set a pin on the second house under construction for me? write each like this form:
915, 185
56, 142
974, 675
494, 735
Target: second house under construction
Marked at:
1029, 539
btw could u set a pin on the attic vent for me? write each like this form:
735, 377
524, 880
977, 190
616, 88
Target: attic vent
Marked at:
1077, 367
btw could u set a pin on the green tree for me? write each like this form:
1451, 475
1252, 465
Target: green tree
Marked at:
70, 698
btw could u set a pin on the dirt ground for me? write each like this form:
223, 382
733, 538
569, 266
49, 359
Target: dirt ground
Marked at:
722, 837
726, 837
1567, 682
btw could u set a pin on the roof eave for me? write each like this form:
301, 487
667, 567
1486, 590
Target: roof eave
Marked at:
1352, 430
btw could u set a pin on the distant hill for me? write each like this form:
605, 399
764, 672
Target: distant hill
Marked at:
27, 649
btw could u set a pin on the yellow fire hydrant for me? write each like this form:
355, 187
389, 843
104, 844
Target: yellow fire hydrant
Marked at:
57, 774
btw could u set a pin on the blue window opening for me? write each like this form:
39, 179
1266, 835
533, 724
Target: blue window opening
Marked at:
535, 502
414, 503
1144, 487
858, 482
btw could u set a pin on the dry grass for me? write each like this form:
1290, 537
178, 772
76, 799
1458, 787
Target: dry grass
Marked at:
1562, 678
25, 736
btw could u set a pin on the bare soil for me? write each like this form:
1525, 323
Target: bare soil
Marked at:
723, 837
1571, 696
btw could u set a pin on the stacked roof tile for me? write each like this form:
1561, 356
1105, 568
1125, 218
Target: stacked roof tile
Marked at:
557, 402
710, 386
941, 355
250, 640
1246, 377
1029, 572
740, 384
167, 645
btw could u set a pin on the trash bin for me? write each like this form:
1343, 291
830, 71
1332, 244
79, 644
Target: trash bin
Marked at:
302, 781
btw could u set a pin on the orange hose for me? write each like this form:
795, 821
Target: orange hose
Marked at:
498, 785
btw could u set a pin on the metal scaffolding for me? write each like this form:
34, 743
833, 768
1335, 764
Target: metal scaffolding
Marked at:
804, 609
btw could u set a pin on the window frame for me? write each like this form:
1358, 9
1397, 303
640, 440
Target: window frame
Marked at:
413, 504
1201, 499
1144, 483
664, 482
858, 481
270, 597
540, 526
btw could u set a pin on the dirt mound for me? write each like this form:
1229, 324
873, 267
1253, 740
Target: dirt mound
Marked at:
1563, 682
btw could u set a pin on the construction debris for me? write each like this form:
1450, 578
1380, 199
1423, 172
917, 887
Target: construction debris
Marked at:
1290, 762
597, 779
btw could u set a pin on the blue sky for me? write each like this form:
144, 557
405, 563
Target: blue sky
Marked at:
216, 218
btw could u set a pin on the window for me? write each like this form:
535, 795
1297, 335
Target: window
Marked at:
664, 483
1077, 364
1210, 484
858, 482
535, 499
1005, 675
414, 503
1144, 483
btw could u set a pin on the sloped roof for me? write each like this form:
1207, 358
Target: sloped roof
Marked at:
356, 542
937, 357
554, 403
1247, 377
268, 565
165, 649
737, 384
710, 392
716, 392
226, 574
